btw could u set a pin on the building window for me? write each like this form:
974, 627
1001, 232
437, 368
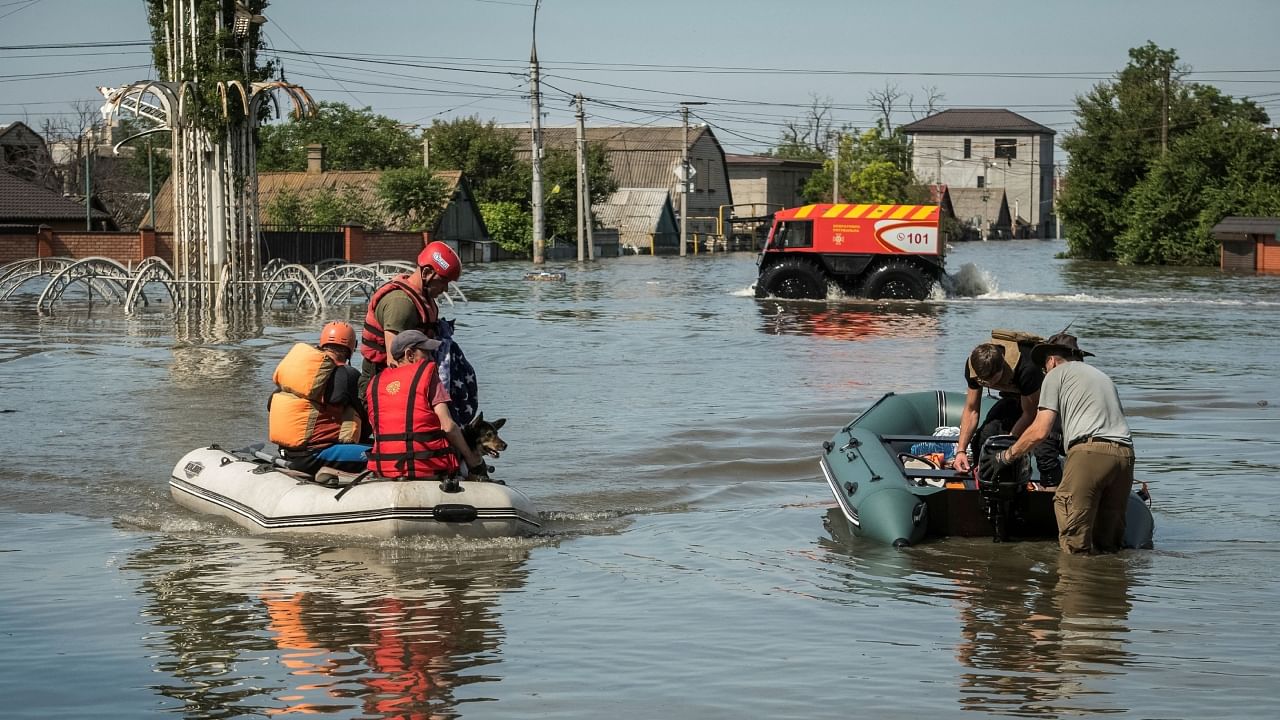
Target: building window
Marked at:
1006, 148
968, 148
982, 181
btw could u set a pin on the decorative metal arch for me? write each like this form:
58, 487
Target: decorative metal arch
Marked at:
113, 277
304, 287
152, 270
15, 274
339, 283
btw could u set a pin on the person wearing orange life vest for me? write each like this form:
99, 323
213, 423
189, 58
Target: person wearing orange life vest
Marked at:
414, 435
406, 302
316, 416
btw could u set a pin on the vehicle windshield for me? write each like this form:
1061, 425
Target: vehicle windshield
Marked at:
792, 234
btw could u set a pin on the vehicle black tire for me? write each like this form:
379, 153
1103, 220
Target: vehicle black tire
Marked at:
897, 280
792, 278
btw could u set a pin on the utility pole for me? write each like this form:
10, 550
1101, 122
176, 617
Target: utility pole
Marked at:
535, 101
426, 150
88, 189
835, 174
685, 175
1164, 112
582, 174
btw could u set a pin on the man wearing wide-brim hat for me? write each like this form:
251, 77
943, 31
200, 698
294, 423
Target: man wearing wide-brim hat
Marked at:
1091, 501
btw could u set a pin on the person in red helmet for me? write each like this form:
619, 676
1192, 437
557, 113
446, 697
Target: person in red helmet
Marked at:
317, 410
406, 302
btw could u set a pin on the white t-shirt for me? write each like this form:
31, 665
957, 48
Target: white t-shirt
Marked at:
1086, 401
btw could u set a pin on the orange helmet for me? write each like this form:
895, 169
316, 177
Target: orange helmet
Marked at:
441, 258
338, 333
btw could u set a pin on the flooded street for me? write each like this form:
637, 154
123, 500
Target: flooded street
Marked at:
693, 565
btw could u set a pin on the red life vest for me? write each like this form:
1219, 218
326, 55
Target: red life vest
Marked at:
373, 339
407, 439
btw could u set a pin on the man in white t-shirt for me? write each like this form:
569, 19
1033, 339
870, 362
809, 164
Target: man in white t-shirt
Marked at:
1091, 501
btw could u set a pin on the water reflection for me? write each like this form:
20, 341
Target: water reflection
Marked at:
850, 321
1039, 631
256, 627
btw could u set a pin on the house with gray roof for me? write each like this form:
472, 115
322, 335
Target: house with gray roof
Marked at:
644, 218
24, 203
647, 157
989, 148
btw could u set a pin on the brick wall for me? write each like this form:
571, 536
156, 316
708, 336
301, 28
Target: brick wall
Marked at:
380, 246
123, 247
16, 247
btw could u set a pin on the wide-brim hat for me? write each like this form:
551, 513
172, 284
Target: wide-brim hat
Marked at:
1061, 343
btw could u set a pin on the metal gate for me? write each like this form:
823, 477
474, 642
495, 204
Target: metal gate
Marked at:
305, 245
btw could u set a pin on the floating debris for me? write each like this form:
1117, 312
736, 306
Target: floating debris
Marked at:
552, 276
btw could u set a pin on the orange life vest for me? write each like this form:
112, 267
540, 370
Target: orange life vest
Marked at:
407, 439
373, 339
299, 418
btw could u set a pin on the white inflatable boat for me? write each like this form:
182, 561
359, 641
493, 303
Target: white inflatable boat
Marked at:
258, 495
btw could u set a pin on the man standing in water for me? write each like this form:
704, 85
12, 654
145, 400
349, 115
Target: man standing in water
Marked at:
1090, 503
406, 302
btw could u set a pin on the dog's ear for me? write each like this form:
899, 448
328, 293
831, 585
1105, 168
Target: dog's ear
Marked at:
497, 424
479, 418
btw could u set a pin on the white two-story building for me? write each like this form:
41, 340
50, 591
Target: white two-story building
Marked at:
986, 148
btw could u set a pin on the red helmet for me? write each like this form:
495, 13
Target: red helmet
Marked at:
441, 258
338, 333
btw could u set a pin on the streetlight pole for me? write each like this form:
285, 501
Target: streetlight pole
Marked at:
685, 175
536, 130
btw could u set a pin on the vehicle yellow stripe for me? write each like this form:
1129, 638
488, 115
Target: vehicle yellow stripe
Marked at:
804, 211
879, 210
924, 212
901, 212
858, 211
835, 210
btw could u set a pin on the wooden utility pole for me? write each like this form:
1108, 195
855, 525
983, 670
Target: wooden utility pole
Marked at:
835, 173
684, 180
1164, 109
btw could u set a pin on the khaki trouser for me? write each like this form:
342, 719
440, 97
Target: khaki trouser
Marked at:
1091, 501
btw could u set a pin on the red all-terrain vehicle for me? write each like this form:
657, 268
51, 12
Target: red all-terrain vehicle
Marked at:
872, 251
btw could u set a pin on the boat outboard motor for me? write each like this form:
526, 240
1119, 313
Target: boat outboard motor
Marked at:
1003, 488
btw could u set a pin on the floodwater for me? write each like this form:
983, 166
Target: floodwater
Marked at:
668, 424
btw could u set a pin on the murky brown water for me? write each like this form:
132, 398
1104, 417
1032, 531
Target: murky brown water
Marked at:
668, 424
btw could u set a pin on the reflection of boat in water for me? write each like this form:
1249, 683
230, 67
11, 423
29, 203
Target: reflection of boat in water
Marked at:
1034, 632
886, 500
264, 498
254, 626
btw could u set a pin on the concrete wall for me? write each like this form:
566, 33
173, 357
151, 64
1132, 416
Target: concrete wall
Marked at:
1027, 179
767, 188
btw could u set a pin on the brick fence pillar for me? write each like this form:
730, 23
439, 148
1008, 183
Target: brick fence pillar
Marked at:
44, 241
147, 242
353, 243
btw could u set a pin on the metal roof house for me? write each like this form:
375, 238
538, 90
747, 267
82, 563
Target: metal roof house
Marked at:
460, 222
648, 157
644, 218
989, 148
24, 203
1250, 244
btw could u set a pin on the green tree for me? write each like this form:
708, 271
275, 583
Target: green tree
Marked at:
353, 140
1209, 173
872, 170
510, 225
327, 206
484, 154
413, 197
559, 181
1120, 126
287, 209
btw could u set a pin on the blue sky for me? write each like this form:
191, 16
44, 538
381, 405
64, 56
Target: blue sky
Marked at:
635, 61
